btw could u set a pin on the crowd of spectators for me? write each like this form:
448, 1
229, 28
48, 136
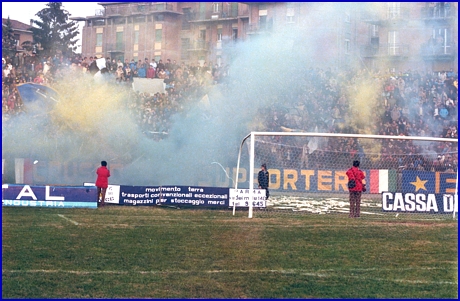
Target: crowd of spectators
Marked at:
409, 104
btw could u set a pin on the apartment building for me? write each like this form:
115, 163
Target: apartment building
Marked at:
391, 36
182, 31
410, 35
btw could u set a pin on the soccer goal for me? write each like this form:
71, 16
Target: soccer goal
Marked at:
406, 177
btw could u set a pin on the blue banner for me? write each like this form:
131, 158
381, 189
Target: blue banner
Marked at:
428, 182
174, 196
49, 196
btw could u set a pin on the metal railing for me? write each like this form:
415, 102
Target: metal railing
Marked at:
130, 9
437, 12
258, 27
438, 50
389, 50
392, 13
114, 47
199, 45
225, 12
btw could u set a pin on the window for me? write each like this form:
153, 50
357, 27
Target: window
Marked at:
139, 19
158, 35
99, 22
443, 40
98, 39
141, 8
393, 42
157, 58
394, 10
202, 14
187, 16
234, 8
119, 42
234, 34
160, 17
290, 15
215, 7
160, 6
375, 31
347, 46
263, 22
119, 20
219, 34
136, 37
16, 38
203, 34
185, 46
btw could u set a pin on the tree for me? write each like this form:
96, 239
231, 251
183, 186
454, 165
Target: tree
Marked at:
8, 40
55, 33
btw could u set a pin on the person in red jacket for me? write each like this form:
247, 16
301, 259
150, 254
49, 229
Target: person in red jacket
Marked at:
356, 174
102, 182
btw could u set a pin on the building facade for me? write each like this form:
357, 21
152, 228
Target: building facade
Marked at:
390, 36
21, 32
410, 35
181, 31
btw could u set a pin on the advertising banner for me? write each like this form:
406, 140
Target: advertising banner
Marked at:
419, 202
174, 196
240, 198
428, 182
112, 194
49, 196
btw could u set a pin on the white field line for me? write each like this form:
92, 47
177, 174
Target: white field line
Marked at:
250, 226
319, 273
68, 219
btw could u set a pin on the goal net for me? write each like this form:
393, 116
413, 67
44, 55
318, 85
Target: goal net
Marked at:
406, 177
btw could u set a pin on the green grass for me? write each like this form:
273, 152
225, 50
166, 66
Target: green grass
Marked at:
135, 252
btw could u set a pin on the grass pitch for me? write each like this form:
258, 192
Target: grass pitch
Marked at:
152, 252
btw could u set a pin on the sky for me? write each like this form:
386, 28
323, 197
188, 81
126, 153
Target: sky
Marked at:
24, 11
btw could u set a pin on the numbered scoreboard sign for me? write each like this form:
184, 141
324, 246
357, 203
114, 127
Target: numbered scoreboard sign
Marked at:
241, 198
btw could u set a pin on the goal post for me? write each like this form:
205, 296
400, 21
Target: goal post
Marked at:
405, 175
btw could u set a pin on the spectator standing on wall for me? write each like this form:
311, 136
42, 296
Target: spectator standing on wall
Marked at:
263, 178
102, 182
142, 69
355, 174
151, 72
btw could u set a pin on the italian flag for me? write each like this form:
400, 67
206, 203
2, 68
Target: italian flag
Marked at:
380, 180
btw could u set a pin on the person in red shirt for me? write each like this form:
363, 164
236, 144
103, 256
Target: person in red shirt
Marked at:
102, 182
356, 174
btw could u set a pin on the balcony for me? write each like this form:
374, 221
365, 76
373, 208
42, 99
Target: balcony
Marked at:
136, 9
444, 52
229, 43
392, 16
258, 28
389, 51
437, 12
114, 47
227, 13
199, 45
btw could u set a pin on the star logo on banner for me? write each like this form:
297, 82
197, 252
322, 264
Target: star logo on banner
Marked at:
419, 184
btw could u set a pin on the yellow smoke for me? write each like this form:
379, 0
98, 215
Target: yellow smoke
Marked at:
365, 110
91, 119
83, 103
